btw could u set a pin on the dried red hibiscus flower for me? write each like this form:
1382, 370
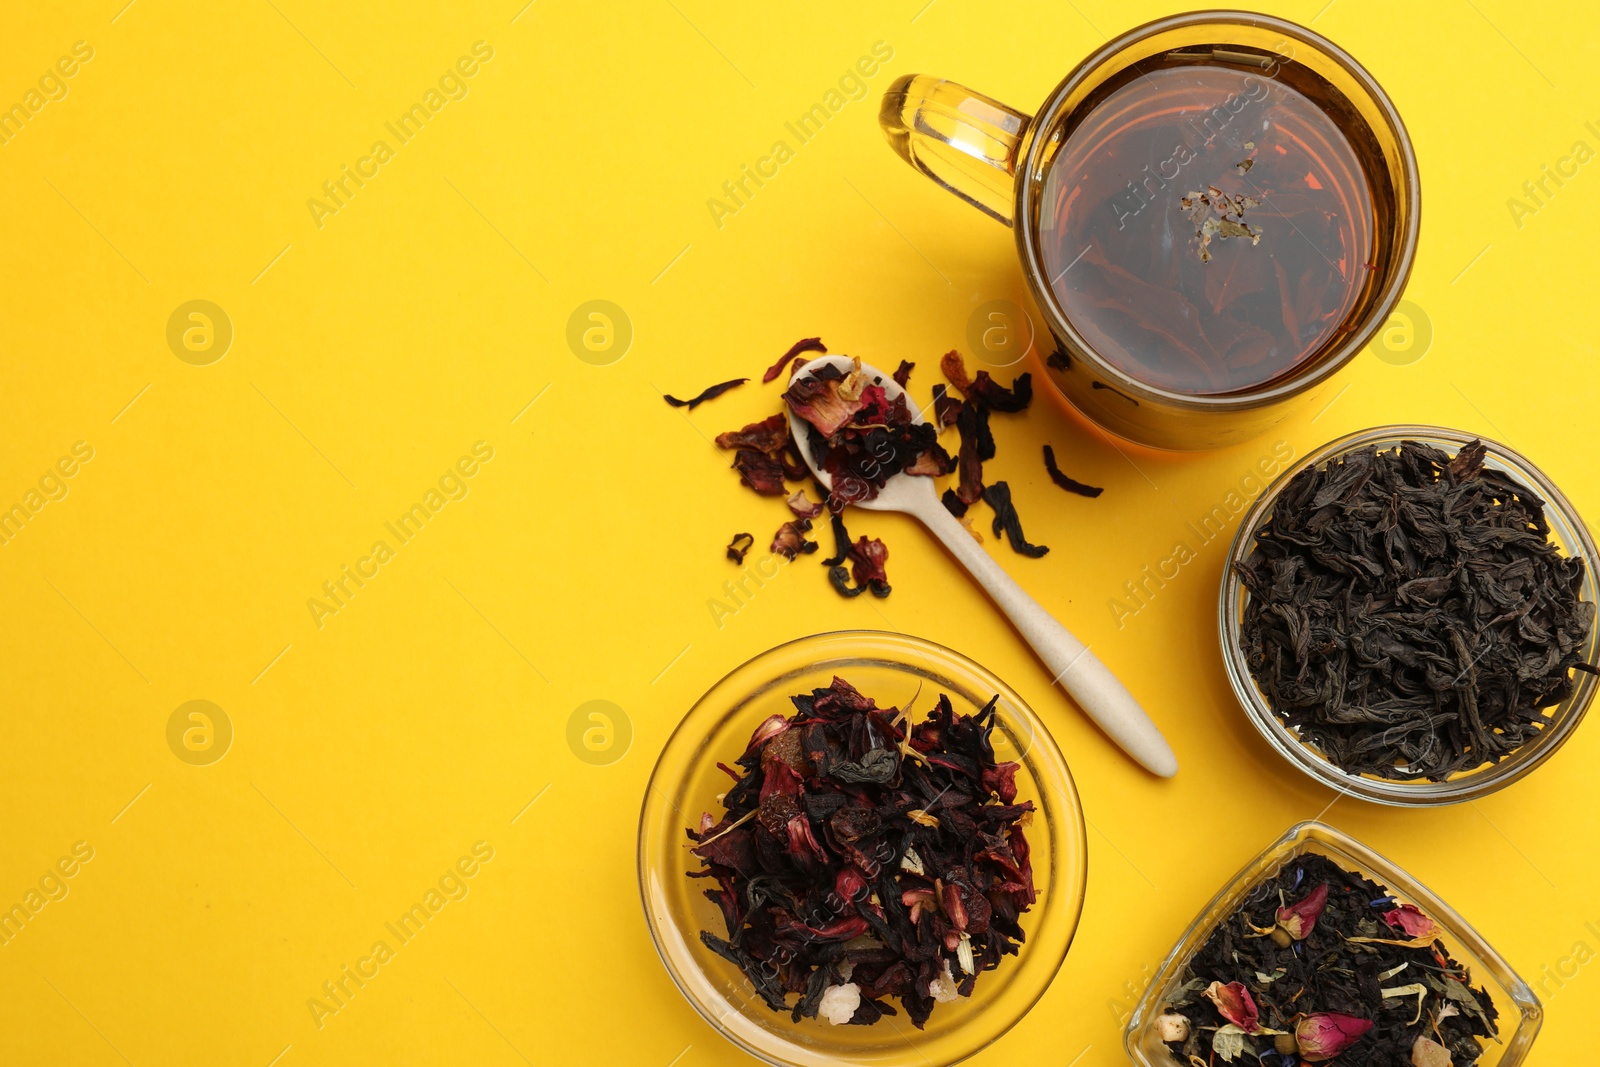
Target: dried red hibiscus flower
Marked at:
768, 436
790, 540
808, 344
740, 546
862, 438
759, 471
802, 506
868, 558
859, 861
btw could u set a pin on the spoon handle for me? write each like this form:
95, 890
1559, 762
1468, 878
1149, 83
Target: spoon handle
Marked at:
1097, 691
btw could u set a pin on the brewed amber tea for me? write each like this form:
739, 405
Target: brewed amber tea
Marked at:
1207, 226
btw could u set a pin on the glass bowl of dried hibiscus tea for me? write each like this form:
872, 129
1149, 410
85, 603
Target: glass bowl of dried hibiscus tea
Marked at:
862, 848
1410, 616
1320, 952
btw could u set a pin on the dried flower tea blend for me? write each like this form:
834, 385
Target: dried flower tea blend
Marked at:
863, 858
1321, 965
1409, 614
862, 439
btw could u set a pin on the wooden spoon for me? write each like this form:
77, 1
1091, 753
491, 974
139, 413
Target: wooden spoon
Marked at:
1091, 684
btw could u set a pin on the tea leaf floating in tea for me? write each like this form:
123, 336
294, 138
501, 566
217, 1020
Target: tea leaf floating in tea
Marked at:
1356, 990
1408, 614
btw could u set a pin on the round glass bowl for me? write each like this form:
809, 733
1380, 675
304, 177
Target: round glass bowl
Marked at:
1567, 531
890, 668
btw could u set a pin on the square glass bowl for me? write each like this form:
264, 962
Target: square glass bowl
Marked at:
1520, 1014
1567, 531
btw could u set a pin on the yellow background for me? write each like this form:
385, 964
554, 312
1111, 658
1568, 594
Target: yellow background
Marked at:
372, 352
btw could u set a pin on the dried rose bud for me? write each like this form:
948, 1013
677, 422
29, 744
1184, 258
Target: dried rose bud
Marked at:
1326, 1034
1411, 921
1235, 1004
1172, 1027
1298, 920
1427, 1052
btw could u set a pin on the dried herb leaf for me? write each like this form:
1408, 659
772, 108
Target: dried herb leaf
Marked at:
710, 392
808, 344
1071, 485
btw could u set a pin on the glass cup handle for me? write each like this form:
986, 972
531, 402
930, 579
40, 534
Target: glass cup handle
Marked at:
963, 140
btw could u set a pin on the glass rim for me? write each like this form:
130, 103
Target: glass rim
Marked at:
1314, 835
1575, 539
1335, 357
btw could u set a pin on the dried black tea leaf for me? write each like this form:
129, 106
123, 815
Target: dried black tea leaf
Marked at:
710, 392
1071, 485
1318, 965
1409, 614
998, 497
861, 859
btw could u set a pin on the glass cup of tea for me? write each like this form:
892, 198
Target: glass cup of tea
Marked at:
1215, 212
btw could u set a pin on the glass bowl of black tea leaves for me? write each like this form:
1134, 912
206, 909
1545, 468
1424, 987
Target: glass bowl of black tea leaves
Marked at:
861, 848
1409, 616
1321, 951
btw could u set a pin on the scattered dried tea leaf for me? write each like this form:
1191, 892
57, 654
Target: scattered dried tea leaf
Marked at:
998, 497
760, 472
1071, 485
739, 546
769, 435
902, 373
807, 344
710, 392
790, 540
802, 506
953, 367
